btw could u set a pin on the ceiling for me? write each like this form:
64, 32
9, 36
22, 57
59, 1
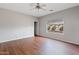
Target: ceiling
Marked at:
26, 8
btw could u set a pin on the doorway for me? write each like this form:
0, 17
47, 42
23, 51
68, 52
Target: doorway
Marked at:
35, 28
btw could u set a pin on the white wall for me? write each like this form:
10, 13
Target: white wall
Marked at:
15, 25
71, 25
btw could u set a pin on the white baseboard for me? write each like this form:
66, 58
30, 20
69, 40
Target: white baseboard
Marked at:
16, 38
64, 40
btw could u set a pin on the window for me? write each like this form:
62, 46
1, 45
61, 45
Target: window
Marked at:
55, 27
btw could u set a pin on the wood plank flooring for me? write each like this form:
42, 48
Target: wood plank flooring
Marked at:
38, 46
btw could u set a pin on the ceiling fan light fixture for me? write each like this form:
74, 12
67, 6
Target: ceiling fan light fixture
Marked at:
40, 7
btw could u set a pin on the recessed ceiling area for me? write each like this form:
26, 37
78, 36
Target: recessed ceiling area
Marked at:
26, 8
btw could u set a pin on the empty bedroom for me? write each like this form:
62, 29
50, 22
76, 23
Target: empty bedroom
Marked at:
39, 28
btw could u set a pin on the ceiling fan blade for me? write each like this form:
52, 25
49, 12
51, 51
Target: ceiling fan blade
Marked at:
42, 5
33, 4
43, 8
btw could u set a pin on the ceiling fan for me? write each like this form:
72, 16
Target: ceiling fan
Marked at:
39, 6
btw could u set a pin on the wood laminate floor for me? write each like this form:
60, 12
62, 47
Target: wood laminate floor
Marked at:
38, 46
